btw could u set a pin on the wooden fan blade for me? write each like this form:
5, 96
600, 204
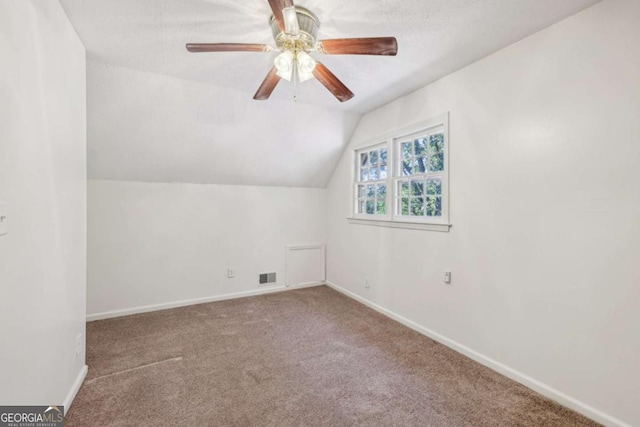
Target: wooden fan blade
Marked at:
268, 85
331, 82
276, 8
360, 46
227, 47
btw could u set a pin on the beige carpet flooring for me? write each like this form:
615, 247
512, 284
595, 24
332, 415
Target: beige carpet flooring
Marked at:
307, 357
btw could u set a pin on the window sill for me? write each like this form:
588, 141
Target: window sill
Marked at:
398, 224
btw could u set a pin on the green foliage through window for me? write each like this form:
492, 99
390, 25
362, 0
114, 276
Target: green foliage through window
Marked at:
417, 180
372, 193
420, 164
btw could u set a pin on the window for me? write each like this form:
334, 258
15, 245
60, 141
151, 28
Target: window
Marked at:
404, 180
419, 181
371, 181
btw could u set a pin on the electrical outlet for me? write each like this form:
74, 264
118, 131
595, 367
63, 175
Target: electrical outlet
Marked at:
447, 277
3, 218
231, 273
79, 345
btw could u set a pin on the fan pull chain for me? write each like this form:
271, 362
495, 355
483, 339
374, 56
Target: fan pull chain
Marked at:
295, 80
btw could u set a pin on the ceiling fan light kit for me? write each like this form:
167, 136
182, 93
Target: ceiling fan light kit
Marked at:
298, 38
306, 65
294, 31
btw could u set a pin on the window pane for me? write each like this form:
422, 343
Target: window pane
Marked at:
436, 142
406, 149
406, 167
383, 155
373, 174
420, 146
420, 165
416, 194
370, 207
434, 206
373, 157
417, 188
417, 206
436, 162
404, 206
371, 191
383, 171
434, 186
404, 189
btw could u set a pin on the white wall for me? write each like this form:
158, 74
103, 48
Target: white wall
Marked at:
544, 249
156, 244
154, 128
43, 181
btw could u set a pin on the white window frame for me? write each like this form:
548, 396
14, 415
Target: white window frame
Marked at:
392, 141
357, 182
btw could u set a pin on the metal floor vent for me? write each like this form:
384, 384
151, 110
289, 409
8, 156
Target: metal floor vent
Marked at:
265, 278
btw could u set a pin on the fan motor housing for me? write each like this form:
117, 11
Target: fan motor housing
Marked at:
308, 23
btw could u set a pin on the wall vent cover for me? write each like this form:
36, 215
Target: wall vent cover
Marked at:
265, 278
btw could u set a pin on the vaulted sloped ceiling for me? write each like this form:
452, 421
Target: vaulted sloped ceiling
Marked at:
159, 113
151, 127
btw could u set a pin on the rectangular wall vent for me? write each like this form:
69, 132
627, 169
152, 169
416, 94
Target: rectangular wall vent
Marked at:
266, 278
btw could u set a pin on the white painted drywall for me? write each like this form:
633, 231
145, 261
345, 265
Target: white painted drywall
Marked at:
545, 206
154, 128
156, 244
305, 264
43, 180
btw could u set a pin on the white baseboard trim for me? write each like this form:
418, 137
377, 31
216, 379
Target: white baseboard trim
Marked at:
532, 383
74, 389
183, 303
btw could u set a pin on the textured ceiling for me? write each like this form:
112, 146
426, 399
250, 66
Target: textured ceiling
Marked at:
435, 37
189, 117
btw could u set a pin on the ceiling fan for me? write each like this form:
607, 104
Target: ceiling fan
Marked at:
294, 30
